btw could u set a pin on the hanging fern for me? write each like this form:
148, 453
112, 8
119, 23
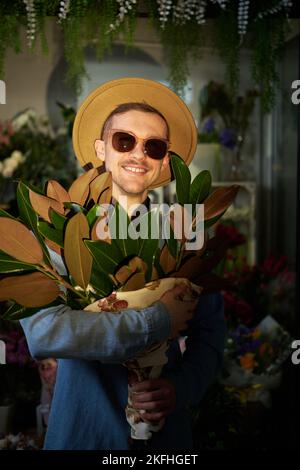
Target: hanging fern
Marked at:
180, 25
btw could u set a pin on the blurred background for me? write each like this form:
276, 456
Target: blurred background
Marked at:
233, 63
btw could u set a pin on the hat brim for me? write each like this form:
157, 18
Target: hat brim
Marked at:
95, 109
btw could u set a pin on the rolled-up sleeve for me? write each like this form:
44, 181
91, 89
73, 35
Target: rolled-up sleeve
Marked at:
61, 332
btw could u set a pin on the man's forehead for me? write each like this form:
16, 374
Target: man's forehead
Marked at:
137, 119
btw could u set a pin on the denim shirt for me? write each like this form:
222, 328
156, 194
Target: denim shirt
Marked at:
91, 391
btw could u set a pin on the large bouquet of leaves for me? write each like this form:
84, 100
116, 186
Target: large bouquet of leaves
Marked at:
66, 222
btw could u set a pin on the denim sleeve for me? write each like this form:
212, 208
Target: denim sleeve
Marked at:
61, 332
203, 357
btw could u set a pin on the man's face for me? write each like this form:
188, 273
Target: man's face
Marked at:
126, 181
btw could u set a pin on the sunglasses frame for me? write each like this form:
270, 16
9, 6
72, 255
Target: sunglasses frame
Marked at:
137, 140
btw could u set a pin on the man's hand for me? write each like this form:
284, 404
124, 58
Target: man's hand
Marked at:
180, 311
156, 396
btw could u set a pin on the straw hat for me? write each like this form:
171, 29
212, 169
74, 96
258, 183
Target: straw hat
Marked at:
103, 100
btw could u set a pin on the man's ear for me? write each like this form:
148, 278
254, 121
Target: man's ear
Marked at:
100, 149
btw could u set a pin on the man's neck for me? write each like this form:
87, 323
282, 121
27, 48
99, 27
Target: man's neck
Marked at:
130, 201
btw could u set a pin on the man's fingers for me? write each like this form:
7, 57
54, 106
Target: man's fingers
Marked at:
146, 385
151, 405
143, 397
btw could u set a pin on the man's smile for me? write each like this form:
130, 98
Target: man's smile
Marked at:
137, 170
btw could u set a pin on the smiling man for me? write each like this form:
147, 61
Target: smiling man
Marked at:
128, 126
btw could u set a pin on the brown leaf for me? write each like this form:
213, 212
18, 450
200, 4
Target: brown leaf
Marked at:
167, 261
53, 246
154, 275
190, 268
135, 282
41, 205
212, 283
136, 264
105, 197
29, 290
79, 189
99, 185
77, 256
57, 192
17, 241
219, 200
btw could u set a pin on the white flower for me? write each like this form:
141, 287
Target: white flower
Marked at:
23, 118
17, 156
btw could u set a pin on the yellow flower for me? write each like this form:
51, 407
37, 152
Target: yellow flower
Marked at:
256, 333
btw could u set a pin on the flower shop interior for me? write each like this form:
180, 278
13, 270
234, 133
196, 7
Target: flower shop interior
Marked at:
236, 65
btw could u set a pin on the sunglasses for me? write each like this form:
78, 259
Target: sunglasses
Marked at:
124, 141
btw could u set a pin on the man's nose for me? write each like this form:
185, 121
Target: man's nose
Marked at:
138, 151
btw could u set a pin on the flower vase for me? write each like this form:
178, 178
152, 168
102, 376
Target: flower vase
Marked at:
207, 157
149, 364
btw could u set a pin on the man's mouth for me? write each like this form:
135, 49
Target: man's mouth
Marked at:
135, 169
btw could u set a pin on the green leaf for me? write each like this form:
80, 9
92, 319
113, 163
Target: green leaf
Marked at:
10, 265
183, 179
29, 217
3, 213
57, 219
106, 256
16, 312
92, 215
200, 187
51, 233
100, 282
148, 246
118, 224
208, 223
75, 207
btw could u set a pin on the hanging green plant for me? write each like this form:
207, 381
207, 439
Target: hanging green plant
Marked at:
181, 25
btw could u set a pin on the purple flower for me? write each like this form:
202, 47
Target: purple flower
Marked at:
228, 138
209, 126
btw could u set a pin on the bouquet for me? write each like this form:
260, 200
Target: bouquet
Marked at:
106, 255
254, 357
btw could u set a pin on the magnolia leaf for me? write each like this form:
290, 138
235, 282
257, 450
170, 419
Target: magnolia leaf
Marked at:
29, 217
100, 184
53, 246
101, 232
16, 312
93, 214
79, 190
106, 195
57, 192
191, 268
51, 233
200, 187
3, 213
29, 290
75, 207
107, 257
118, 225
77, 257
42, 204
100, 282
134, 265
17, 241
219, 200
154, 275
135, 282
11, 265
183, 179
58, 220
167, 261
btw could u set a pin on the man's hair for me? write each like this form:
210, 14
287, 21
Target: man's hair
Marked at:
123, 108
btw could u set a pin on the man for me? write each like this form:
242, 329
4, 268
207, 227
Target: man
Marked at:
130, 125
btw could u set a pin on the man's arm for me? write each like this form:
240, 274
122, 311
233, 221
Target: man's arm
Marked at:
61, 332
202, 359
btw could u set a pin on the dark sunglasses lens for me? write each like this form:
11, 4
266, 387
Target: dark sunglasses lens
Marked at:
123, 142
156, 148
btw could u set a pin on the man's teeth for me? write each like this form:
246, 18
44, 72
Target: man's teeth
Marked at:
135, 170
